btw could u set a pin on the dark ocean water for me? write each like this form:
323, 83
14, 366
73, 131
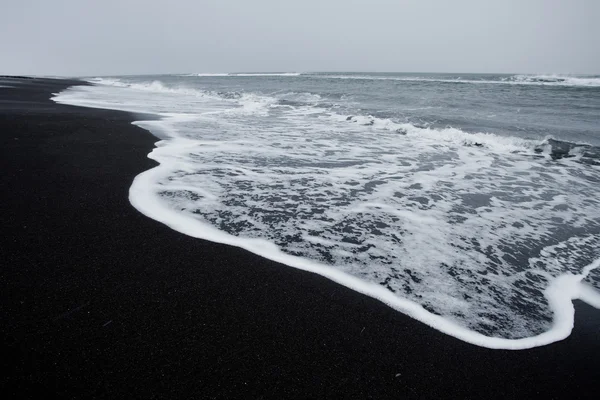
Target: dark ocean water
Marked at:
469, 202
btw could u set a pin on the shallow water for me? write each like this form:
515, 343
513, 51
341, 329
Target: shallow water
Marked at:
468, 202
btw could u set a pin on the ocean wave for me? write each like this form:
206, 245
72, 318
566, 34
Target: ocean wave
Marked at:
501, 144
556, 80
534, 80
479, 235
246, 74
253, 103
295, 98
250, 102
148, 86
246, 100
548, 147
260, 103
208, 75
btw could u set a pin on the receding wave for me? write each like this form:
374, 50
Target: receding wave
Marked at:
481, 236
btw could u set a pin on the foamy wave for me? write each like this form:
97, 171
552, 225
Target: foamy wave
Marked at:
249, 102
467, 232
149, 86
255, 104
547, 147
496, 143
387, 218
305, 97
252, 103
555, 80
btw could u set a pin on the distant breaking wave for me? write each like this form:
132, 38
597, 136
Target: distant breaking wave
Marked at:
540, 80
246, 74
557, 80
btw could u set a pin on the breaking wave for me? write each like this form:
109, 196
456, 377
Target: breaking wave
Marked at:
247, 74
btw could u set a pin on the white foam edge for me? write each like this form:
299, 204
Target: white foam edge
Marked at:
560, 293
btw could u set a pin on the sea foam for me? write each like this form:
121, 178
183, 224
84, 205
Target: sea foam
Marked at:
477, 235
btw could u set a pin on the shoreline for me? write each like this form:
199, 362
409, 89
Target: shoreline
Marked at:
101, 301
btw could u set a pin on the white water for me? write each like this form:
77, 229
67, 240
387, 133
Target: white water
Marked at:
438, 224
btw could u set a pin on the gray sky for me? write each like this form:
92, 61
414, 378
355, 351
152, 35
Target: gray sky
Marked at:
113, 37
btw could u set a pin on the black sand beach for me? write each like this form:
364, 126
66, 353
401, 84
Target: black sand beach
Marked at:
99, 301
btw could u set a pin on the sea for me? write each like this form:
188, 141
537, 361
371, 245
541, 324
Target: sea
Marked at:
470, 202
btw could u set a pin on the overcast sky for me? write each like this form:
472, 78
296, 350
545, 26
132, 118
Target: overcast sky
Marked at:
112, 37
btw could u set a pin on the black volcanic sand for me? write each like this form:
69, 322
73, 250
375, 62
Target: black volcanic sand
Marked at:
99, 301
